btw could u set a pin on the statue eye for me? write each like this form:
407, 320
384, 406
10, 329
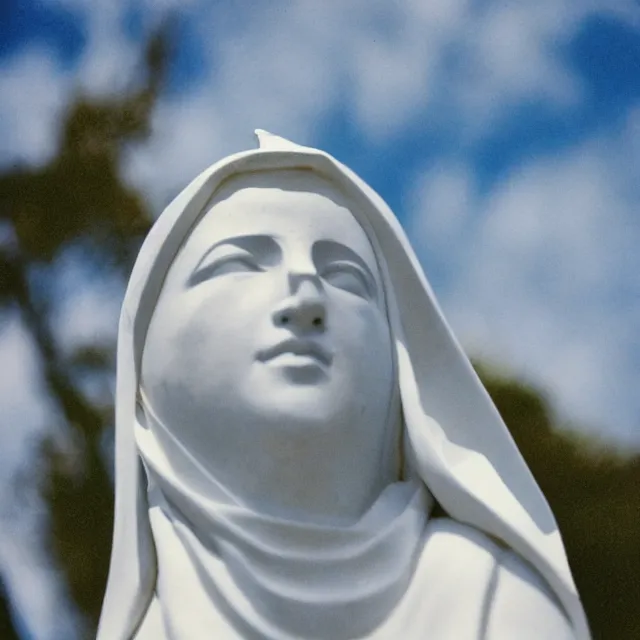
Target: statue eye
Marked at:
227, 264
349, 278
232, 264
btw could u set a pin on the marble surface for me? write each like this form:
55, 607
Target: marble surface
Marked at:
291, 403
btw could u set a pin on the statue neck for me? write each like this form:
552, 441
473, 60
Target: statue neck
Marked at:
322, 474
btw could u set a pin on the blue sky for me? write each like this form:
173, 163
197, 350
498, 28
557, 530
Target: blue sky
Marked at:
504, 134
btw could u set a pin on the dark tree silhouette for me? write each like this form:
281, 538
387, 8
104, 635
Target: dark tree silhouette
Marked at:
7, 629
78, 201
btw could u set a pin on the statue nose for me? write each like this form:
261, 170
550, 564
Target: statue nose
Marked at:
305, 310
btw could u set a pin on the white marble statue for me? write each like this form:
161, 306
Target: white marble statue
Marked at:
290, 406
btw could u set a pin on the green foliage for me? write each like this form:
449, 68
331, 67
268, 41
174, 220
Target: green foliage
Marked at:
595, 497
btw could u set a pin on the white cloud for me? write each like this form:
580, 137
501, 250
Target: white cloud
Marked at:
385, 64
33, 94
24, 413
544, 279
509, 55
87, 308
110, 60
271, 72
187, 138
36, 592
284, 67
449, 192
35, 89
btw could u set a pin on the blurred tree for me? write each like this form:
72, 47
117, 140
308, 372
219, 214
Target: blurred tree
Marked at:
7, 629
595, 496
78, 201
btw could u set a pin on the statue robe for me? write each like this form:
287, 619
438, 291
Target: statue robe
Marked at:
465, 587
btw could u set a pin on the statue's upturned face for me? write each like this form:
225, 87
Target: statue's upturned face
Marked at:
271, 316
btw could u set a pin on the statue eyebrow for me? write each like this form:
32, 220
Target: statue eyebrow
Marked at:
270, 251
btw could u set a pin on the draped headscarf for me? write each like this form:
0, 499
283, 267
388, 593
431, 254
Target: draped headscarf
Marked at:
458, 445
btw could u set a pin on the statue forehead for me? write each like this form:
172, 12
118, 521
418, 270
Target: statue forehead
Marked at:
280, 202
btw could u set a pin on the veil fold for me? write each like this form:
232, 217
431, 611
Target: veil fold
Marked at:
459, 445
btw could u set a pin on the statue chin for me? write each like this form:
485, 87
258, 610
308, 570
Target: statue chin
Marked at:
292, 398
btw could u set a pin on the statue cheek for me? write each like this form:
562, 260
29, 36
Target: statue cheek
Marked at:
368, 332
236, 300
366, 355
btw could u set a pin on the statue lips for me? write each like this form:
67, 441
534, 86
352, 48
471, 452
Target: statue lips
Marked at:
301, 352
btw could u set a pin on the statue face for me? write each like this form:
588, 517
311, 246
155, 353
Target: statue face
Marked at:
271, 317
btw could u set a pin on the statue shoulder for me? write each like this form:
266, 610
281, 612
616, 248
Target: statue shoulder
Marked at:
457, 537
508, 597
152, 626
523, 604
